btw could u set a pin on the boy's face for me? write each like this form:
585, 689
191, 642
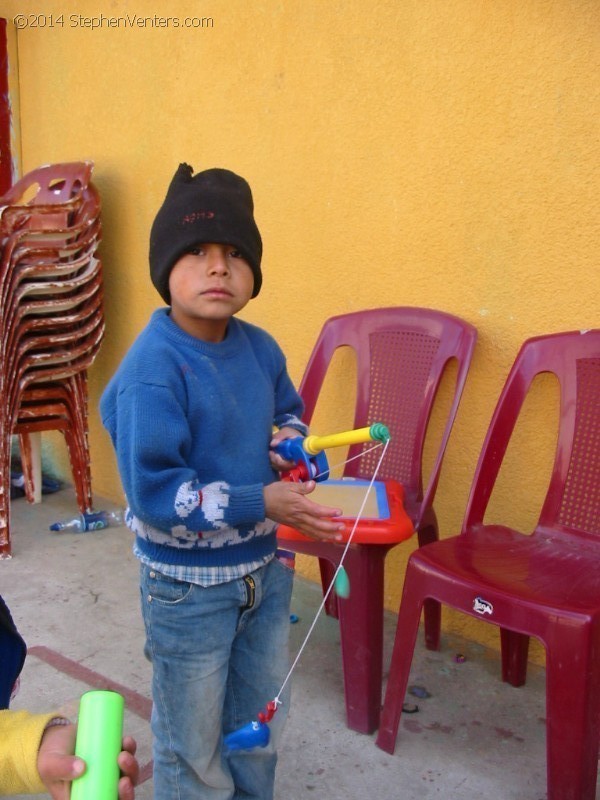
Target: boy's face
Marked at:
209, 285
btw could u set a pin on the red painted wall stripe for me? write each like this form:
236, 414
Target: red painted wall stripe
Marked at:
137, 703
5, 112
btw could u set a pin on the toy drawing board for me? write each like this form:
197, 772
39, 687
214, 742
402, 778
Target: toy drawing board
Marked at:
383, 520
349, 496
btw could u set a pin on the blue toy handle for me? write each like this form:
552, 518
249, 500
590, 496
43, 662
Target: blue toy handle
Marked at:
316, 466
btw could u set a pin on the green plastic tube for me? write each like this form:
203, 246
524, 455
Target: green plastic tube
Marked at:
98, 743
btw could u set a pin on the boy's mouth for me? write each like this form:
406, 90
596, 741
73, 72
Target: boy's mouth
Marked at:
218, 291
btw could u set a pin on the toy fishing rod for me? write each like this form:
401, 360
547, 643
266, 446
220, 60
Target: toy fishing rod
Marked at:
311, 464
308, 452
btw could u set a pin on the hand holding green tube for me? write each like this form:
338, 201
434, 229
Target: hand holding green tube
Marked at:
99, 735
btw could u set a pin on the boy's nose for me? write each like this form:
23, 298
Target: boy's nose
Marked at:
217, 262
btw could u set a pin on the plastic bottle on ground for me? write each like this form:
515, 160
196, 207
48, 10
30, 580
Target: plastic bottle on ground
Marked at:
90, 521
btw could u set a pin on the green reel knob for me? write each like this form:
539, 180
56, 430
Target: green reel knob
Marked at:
379, 432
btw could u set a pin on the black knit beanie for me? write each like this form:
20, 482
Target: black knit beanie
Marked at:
214, 206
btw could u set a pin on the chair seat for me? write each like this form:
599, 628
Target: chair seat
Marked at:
539, 570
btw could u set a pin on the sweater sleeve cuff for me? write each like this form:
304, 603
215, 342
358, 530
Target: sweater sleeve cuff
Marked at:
246, 505
24, 733
295, 423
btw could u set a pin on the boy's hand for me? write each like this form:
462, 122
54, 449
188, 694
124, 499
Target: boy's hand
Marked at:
277, 462
58, 767
287, 503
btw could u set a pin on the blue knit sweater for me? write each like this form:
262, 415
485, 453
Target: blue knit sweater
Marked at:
191, 423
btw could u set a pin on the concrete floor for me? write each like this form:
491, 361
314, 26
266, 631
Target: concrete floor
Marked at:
75, 599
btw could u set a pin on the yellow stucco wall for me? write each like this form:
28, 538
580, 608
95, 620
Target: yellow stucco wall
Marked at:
403, 152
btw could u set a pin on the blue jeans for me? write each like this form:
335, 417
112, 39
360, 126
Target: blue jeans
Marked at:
215, 664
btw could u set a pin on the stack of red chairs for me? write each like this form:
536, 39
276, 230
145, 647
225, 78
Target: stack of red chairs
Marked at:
51, 321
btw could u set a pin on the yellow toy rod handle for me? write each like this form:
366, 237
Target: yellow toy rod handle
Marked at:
376, 432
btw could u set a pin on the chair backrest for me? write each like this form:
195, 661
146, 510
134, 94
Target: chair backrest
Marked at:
401, 354
54, 238
51, 184
572, 502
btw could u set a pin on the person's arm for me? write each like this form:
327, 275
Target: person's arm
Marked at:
287, 502
161, 487
36, 756
21, 734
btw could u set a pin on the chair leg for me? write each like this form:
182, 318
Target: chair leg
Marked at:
573, 715
515, 648
77, 442
432, 609
5, 446
30, 450
327, 570
361, 628
404, 644
80, 467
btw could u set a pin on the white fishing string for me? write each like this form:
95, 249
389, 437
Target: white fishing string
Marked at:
277, 700
347, 461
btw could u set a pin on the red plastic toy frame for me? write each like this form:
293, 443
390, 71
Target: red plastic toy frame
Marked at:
396, 528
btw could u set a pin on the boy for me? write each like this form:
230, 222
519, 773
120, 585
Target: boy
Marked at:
191, 412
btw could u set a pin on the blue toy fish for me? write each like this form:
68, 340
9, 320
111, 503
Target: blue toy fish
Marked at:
254, 734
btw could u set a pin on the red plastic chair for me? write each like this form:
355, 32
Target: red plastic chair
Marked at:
59, 406
401, 355
546, 584
49, 185
65, 366
51, 320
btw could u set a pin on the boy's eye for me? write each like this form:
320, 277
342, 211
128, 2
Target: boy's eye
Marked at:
235, 254
195, 251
